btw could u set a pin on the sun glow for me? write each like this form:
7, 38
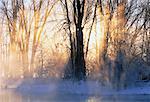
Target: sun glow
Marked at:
46, 41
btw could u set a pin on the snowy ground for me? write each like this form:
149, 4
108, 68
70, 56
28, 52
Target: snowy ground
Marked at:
88, 87
37, 90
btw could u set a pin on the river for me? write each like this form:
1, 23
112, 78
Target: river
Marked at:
14, 96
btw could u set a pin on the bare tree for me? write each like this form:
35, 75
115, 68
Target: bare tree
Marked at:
40, 21
76, 21
21, 27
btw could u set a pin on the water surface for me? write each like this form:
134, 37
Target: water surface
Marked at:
13, 96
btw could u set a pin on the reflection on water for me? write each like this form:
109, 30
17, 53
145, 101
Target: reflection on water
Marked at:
12, 96
8, 96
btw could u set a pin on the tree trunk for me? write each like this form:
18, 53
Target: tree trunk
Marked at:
26, 71
80, 69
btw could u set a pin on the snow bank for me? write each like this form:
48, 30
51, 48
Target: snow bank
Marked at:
136, 90
51, 86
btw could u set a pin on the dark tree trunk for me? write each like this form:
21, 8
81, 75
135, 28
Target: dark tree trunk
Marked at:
80, 69
77, 68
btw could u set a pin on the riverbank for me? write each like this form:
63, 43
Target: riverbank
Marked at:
45, 86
